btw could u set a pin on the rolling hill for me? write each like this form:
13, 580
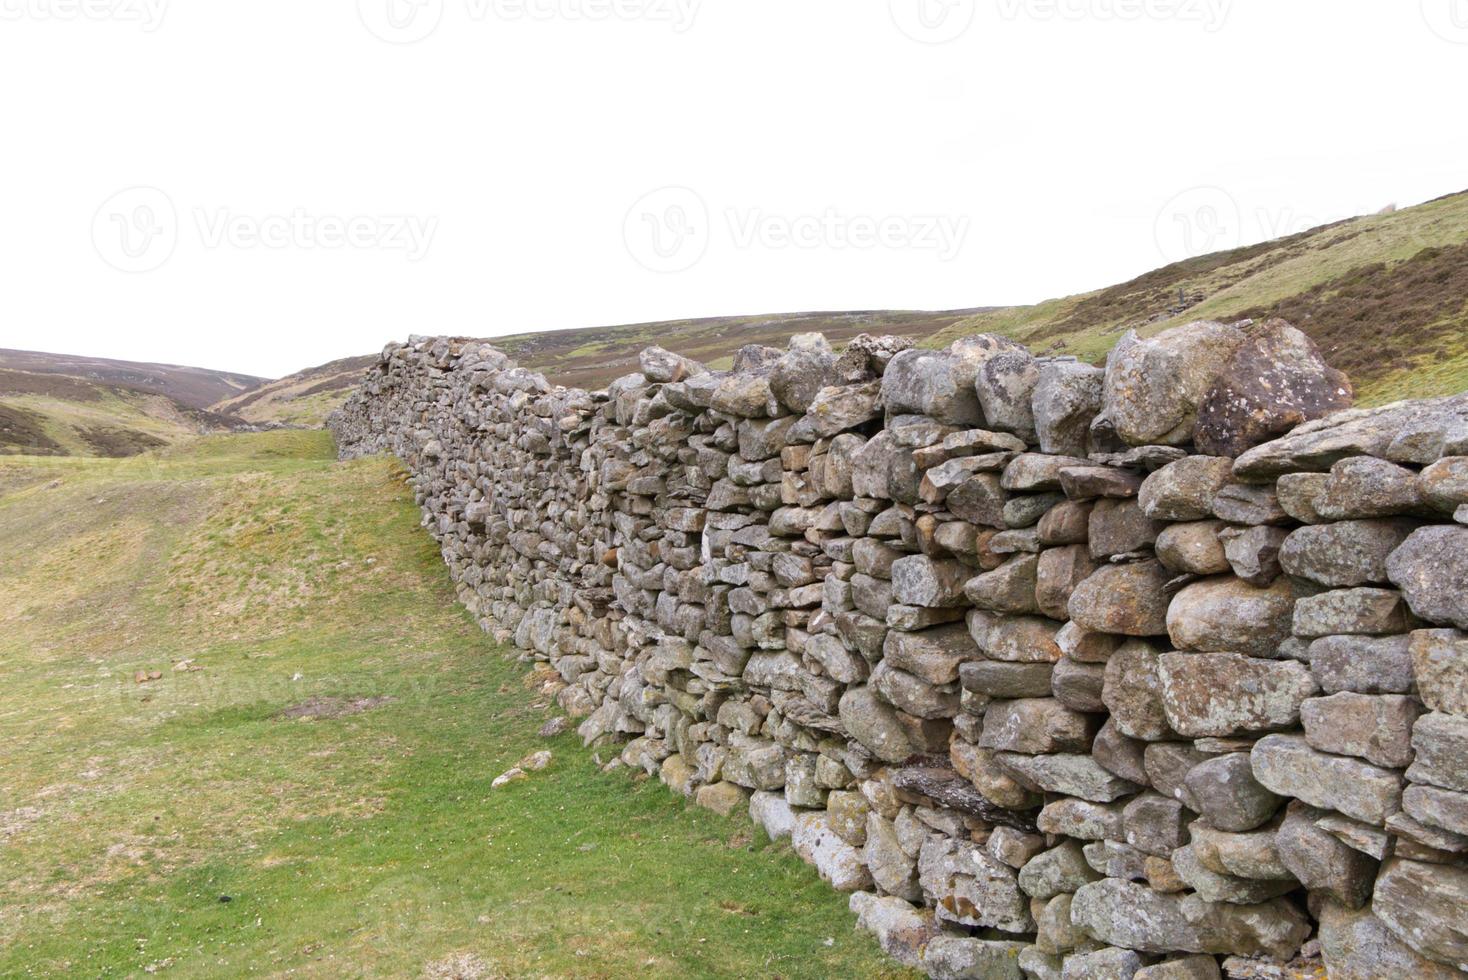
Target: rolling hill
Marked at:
1385, 296
189, 386
301, 399
50, 414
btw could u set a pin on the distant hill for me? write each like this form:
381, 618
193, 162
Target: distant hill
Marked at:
592, 357
44, 414
194, 387
303, 399
1385, 296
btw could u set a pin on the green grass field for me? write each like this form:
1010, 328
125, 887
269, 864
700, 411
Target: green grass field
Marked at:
198, 825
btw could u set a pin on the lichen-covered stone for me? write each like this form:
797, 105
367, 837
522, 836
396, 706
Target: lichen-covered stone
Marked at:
1127, 914
1228, 615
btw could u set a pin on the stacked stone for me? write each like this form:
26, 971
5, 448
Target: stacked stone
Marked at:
1061, 671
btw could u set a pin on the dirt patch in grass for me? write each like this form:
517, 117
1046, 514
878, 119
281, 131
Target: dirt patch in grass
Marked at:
117, 443
24, 432
333, 707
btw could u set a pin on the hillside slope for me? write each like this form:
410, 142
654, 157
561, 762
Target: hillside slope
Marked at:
45, 414
193, 387
301, 399
1385, 296
300, 785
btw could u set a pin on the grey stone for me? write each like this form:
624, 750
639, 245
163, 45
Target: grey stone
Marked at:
1345, 554
1321, 862
1441, 745
1287, 765
1125, 599
1010, 588
1059, 572
1066, 399
1254, 854
1365, 664
1133, 693
1082, 820
1103, 964
1214, 887
940, 384
1405, 432
1430, 569
1356, 612
1119, 754
961, 958
1155, 824
799, 375
970, 888
1247, 503
1061, 869
1080, 686
1440, 808
891, 867
1276, 380
1134, 916
1119, 527
1185, 968
875, 725
1020, 639
1253, 553
1356, 945
1193, 548
1005, 386
1229, 615
1228, 796
1183, 491
837, 409
1377, 728
902, 931
1037, 725
659, 365
1071, 775
1368, 487
1154, 387
1298, 494
918, 580
1438, 929
1440, 662
1006, 680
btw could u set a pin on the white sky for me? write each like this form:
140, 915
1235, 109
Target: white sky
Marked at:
507, 169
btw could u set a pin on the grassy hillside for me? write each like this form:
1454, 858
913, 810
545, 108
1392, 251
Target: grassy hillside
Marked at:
189, 386
56, 415
1385, 297
305, 398
304, 788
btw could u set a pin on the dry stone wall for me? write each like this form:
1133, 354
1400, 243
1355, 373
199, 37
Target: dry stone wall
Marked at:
1059, 671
